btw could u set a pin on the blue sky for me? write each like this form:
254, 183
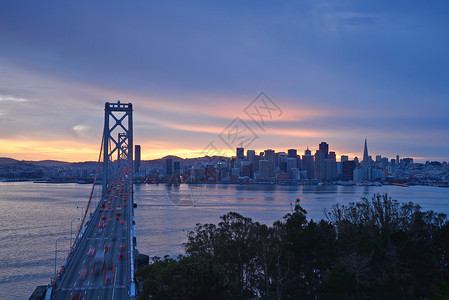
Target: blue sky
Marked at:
340, 72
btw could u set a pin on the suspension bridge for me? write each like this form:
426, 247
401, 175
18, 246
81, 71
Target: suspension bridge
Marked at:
101, 259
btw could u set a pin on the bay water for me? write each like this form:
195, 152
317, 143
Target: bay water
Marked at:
37, 218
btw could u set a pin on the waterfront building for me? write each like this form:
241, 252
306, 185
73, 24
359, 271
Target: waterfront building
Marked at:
168, 167
176, 169
136, 158
211, 173
295, 174
348, 168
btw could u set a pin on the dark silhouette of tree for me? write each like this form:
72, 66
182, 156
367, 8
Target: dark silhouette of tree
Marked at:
376, 248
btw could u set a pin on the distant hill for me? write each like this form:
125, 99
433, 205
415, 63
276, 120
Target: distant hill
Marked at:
6, 160
152, 162
49, 163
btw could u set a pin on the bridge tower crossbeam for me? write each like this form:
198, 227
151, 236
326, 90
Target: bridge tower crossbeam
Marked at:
118, 138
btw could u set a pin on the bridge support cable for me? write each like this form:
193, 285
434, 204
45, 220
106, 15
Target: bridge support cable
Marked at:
116, 156
75, 241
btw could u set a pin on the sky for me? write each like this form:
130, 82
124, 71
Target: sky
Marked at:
277, 74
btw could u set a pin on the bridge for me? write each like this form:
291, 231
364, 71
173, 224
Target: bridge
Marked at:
100, 263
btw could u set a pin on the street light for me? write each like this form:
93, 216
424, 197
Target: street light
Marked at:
71, 223
56, 249
82, 210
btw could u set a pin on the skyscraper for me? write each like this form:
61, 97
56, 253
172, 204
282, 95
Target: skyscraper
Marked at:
168, 167
324, 147
291, 164
366, 164
292, 152
307, 152
263, 169
320, 165
308, 163
348, 170
136, 158
331, 167
240, 153
271, 158
250, 154
365, 153
176, 169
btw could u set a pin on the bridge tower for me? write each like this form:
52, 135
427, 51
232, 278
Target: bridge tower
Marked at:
118, 139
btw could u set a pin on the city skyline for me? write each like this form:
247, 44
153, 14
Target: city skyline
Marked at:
338, 73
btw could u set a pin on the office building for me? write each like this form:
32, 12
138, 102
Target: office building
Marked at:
324, 147
331, 167
177, 169
348, 170
240, 154
250, 154
136, 158
269, 155
168, 167
307, 164
292, 153
263, 169
320, 166
291, 164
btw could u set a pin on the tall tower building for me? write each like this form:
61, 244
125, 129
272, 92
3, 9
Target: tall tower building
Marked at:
271, 158
263, 169
365, 154
320, 165
169, 167
307, 152
308, 163
176, 169
324, 147
292, 152
136, 158
331, 166
348, 170
250, 154
366, 164
291, 164
240, 154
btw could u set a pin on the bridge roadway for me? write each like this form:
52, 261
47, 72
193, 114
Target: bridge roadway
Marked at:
100, 266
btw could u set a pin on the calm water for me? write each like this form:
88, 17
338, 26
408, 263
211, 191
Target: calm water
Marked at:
33, 216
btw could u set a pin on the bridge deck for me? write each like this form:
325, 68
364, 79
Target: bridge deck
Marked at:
100, 265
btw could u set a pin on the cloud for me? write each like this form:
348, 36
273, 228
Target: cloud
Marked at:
5, 98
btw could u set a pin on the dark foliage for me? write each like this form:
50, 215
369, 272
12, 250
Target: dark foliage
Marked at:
372, 249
